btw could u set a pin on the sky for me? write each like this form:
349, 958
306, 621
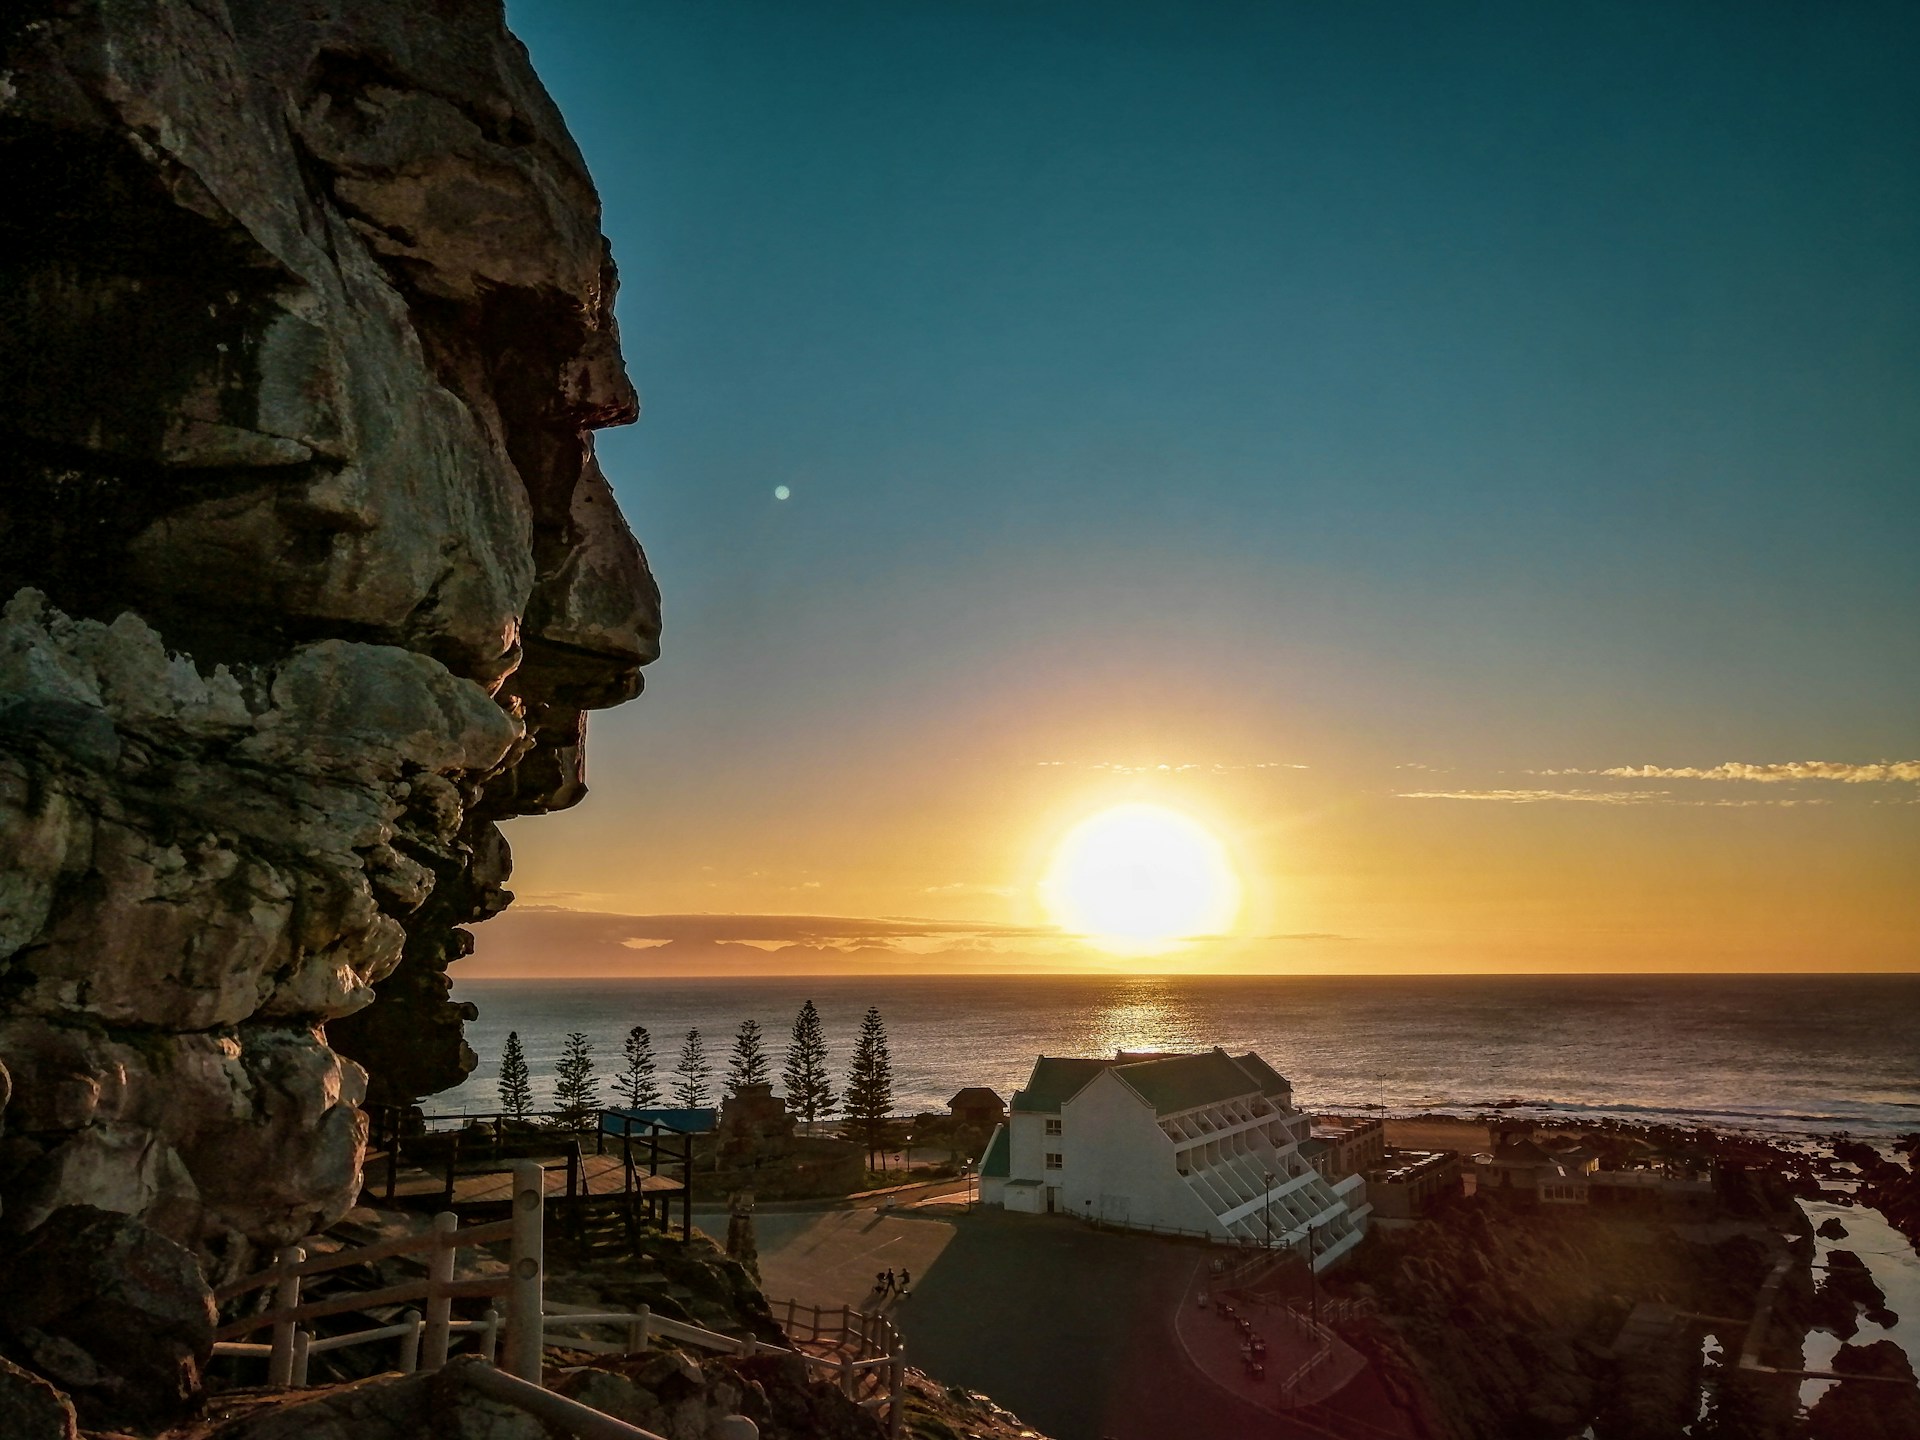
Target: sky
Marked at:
1465, 458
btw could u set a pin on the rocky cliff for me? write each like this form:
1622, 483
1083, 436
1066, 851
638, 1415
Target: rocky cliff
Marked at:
309, 576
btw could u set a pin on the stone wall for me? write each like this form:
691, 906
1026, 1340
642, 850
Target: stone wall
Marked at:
308, 577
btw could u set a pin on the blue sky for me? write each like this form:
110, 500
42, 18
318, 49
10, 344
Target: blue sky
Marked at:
1495, 388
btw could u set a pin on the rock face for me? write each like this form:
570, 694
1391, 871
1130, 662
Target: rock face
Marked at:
120, 1316
309, 576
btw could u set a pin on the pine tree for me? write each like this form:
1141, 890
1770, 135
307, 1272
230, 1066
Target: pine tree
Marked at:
636, 1084
690, 1086
870, 1082
748, 1064
516, 1089
809, 1092
576, 1093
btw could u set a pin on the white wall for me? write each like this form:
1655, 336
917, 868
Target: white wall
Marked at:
1119, 1159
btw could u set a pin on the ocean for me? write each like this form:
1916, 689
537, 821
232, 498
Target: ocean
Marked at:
1774, 1054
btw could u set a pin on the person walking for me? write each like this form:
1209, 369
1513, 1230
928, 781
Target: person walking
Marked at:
887, 1287
905, 1280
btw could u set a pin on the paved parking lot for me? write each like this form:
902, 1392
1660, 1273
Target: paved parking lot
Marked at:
1070, 1327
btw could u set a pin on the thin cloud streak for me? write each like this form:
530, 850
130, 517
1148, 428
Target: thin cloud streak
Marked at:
1879, 772
706, 928
1599, 797
1536, 797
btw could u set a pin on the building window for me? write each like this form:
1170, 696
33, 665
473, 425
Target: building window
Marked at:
1053, 1160
1053, 1127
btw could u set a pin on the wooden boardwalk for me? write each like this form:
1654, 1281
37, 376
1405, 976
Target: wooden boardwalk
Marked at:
599, 1175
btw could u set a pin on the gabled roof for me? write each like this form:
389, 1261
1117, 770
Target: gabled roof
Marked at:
976, 1095
994, 1164
1270, 1080
1185, 1082
1055, 1080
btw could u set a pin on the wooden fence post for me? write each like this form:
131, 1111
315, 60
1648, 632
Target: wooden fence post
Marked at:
490, 1335
410, 1343
439, 1302
286, 1296
637, 1329
526, 1323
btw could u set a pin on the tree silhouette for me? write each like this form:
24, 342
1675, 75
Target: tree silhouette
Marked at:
870, 1082
690, 1086
636, 1084
748, 1065
809, 1091
516, 1088
576, 1093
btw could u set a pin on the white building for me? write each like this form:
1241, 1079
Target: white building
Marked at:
1206, 1143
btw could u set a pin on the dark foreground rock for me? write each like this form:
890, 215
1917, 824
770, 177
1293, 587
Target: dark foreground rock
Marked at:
31, 1409
119, 1317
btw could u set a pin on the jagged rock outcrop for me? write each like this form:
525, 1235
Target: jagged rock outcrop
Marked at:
309, 576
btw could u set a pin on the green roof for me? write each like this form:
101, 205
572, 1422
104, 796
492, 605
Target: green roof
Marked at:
994, 1164
1272, 1082
1184, 1082
1055, 1080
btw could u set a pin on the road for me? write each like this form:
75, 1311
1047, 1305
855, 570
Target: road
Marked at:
1070, 1327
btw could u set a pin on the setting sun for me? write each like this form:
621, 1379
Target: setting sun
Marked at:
1139, 879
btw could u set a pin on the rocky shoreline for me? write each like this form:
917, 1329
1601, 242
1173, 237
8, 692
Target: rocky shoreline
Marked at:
1488, 1322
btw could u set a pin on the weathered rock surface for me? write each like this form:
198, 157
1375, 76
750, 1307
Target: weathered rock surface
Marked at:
1884, 1407
31, 1409
308, 576
119, 1316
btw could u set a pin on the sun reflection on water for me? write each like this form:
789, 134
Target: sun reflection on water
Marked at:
1141, 1015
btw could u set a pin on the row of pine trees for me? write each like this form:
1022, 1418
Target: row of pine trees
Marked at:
868, 1099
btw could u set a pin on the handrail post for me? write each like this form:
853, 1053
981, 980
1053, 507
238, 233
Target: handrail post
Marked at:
896, 1383
286, 1296
301, 1339
637, 1330
526, 1332
490, 1335
393, 1155
846, 1374
410, 1342
439, 1303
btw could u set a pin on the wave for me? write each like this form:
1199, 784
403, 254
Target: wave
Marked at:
1759, 1120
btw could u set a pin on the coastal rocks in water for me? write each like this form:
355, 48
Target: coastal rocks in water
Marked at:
1892, 1189
308, 576
1884, 1407
1848, 1289
1498, 1321
119, 1316
1831, 1229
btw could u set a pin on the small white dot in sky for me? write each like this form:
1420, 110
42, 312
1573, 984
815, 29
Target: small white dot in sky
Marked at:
781, 492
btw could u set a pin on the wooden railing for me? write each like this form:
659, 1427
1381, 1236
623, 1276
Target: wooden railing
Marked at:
868, 1345
425, 1338
441, 1145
